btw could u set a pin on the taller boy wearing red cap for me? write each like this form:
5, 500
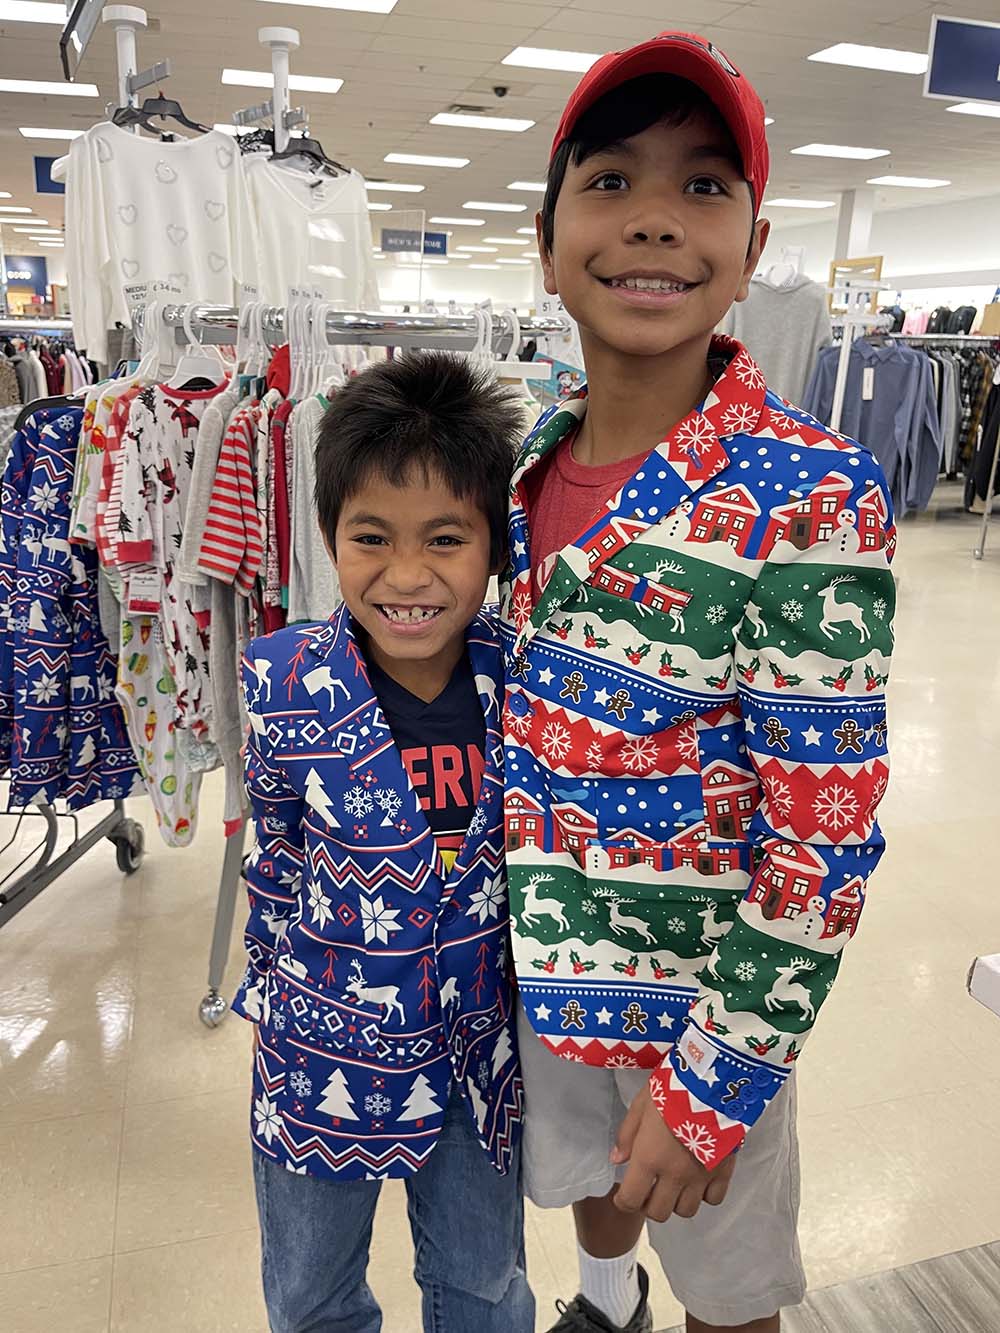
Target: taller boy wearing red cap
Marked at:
697, 634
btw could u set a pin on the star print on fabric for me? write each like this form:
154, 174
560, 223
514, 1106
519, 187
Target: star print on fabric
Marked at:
651, 716
545, 676
520, 548
750, 726
601, 697
665, 1020
543, 1012
812, 736
603, 1016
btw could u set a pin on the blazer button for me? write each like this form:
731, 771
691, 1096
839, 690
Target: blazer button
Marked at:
449, 914
518, 705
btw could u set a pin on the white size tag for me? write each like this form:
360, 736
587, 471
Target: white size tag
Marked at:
144, 592
868, 384
698, 1053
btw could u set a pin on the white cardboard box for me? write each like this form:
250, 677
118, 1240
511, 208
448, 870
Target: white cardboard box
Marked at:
984, 981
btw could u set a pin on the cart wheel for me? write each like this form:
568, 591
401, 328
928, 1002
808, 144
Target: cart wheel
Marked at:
213, 1009
130, 847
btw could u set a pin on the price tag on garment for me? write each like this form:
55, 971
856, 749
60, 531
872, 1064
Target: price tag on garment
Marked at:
144, 592
868, 384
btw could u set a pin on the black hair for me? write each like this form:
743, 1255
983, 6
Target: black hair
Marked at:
433, 413
628, 110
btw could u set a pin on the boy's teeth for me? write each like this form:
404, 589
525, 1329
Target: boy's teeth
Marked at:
649, 285
410, 615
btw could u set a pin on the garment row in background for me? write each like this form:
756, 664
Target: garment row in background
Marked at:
942, 319
38, 367
198, 215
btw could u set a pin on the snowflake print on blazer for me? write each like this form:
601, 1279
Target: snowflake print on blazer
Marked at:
376, 978
695, 750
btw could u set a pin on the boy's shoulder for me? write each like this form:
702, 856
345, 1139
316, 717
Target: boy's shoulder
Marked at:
805, 441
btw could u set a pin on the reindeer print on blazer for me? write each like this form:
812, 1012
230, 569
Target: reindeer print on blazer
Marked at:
696, 748
375, 977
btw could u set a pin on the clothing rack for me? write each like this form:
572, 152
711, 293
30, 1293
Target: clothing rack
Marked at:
856, 294
219, 325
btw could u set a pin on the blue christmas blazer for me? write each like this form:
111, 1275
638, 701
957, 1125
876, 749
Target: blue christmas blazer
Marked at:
375, 977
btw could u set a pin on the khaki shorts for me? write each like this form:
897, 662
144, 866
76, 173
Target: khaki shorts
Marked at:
728, 1265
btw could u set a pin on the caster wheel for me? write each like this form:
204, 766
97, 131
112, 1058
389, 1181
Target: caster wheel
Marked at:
130, 847
212, 1010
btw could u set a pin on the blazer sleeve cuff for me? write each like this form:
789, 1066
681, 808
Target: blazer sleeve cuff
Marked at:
708, 1135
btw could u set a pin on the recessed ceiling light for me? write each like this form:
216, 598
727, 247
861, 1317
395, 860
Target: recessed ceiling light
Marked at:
460, 222
6, 194
380, 256
768, 120
976, 109
24, 11
357, 6
48, 89
467, 122
478, 249
379, 208
798, 203
30, 133
839, 150
14, 208
421, 160
528, 187
502, 240
397, 186
264, 78
873, 57
536, 57
52, 245
513, 261
909, 182
484, 266
526, 231
496, 208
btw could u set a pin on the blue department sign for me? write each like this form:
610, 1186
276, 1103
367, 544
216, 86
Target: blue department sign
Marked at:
964, 60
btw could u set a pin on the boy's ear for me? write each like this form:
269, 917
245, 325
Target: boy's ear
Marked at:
330, 550
545, 255
761, 231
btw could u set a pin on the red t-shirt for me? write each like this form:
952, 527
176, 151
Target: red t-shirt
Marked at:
564, 498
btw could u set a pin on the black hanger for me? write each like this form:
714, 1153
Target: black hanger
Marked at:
313, 149
162, 107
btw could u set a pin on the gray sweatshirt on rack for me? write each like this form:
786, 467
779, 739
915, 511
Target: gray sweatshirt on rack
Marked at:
783, 329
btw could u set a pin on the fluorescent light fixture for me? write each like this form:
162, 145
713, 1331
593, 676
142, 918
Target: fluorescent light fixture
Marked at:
379, 208
976, 109
52, 245
467, 122
48, 89
381, 256
526, 231
30, 133
910, 182
528, 187
839, 150
24, 11
6, 194
483, 267
14, 208
421, 160
873, 57
357, 6
395, 185
232, 129
460, 222
264, 78
513, 261
495, 208
768, 120
502, 240
478, 249
798, 203
435, 259
537, 57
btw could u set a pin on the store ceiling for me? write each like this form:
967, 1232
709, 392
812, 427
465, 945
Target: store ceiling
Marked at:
400, 69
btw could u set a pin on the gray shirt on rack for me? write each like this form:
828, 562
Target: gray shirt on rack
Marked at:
783, 328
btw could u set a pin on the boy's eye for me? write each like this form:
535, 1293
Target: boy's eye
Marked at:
610, 181
706, 185
446, 541
369, 539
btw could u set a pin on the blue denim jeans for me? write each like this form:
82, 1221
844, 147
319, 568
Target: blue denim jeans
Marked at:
467, 1223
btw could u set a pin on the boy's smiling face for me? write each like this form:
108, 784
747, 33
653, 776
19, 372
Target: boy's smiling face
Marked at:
413, 563
651, 238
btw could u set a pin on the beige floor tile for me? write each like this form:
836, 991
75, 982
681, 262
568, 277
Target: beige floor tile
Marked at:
66, 1297
173, 952
57, 1190
172, 1051
201, 1286
185, 1170
390, 1268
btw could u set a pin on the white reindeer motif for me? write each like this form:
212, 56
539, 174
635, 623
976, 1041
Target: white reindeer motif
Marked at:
322, 678
449, 993
261, 668
488, 686
387, 996
836, 613
534, 907
34, 545
57, 544
712, 930
84, 684
755, 618
620, 923
675, 612
786, 991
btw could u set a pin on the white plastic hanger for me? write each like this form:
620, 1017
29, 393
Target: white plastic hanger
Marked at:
196, 361
510, 367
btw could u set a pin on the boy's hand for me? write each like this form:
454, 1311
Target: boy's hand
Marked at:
662, 1176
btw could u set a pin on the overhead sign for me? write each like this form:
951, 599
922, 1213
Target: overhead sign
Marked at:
44, 184
397, 240
964, 60
28, 272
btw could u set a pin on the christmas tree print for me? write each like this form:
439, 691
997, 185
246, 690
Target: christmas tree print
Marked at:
420, 1102
502, 1052
319, 799
337, 1101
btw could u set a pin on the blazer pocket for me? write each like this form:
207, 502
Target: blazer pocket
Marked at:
337, 1023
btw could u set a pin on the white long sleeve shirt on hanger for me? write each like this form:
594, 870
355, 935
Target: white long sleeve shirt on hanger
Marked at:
312, 231
139, 210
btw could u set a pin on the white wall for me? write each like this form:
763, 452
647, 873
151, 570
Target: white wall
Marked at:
455, 282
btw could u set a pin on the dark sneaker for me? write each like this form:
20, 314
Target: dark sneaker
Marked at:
582, 1317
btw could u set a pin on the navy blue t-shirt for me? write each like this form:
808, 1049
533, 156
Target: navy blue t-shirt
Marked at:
442, 747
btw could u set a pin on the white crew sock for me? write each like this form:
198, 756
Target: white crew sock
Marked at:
611, 1284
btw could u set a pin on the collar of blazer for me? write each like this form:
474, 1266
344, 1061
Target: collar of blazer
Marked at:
691, 456
331, 667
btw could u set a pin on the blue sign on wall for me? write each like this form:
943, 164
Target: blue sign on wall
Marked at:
44, 184
396, 240
28, 273
964, 61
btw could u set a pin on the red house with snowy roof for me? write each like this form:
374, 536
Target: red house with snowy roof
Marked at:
725, 516
525, 820
811, 520
792, 874
873, 518
691, 850
731, 797
844, 911
572, 828
615, 535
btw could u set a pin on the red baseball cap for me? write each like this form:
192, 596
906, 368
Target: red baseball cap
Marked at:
687, 56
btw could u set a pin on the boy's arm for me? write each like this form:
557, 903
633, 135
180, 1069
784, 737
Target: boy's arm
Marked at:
816, 737
274, 869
